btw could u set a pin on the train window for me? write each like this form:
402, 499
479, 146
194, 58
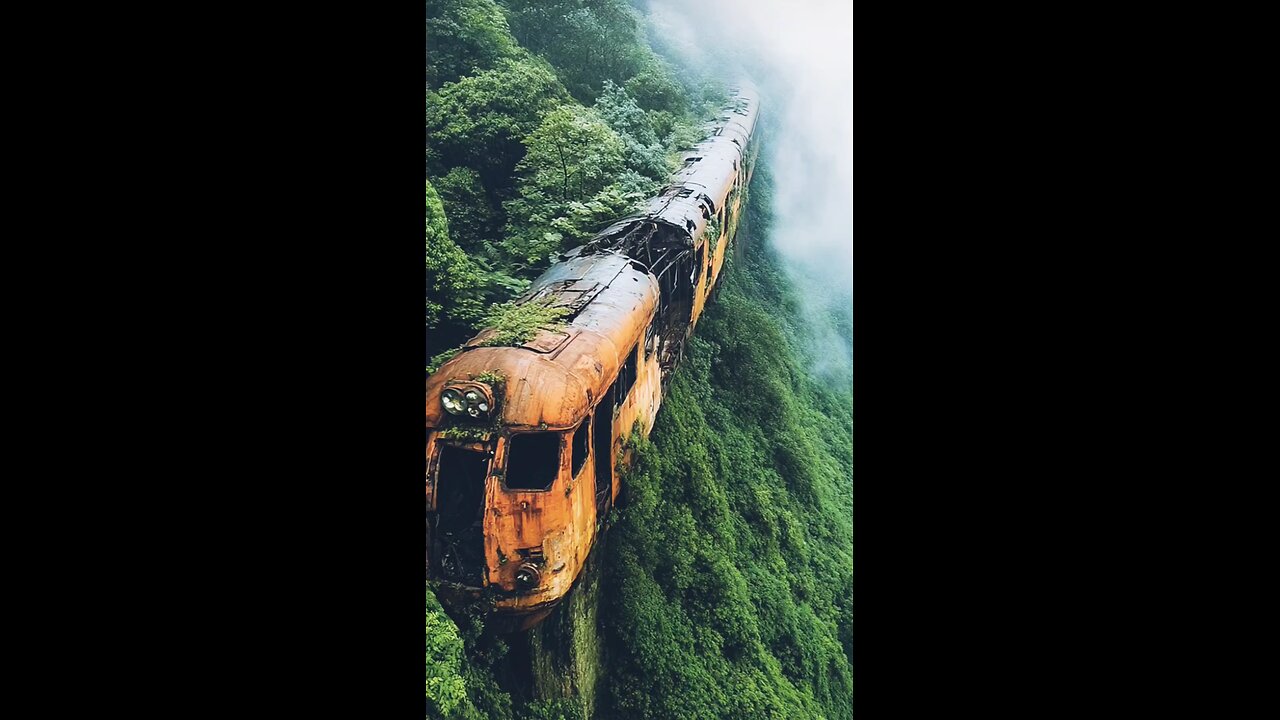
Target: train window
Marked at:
626, 378
580, 446
533, 460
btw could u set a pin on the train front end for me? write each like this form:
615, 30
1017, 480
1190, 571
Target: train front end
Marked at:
507, 435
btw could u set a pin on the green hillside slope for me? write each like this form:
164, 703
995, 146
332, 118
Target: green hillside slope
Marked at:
724, 586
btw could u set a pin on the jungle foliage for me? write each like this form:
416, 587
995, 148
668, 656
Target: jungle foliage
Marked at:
463, 37
453, 280
728, 570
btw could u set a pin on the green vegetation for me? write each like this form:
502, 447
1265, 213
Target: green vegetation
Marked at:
469, 433
461, 656
516, 324
565, 189
730, 572
492, 378
480, 120
451, 682
453, 281
441, 359
724, 590
638, 131
737, 196
713, 236
589, 42
465, 37
512, 324
554, 709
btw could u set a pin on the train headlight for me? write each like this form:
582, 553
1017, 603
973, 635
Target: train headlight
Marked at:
465, 397
528, 576
453, 402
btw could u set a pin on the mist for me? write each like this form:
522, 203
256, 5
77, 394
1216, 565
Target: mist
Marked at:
799, 54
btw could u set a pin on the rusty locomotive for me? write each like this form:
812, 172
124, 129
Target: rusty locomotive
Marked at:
525, 443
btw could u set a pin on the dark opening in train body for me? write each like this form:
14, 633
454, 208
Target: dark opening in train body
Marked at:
524, 443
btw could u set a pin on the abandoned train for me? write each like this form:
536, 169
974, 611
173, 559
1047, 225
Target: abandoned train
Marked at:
524, 443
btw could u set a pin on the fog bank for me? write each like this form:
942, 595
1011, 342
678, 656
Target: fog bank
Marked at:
799, 53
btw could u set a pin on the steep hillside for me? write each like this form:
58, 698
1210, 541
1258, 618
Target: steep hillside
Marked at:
728, 582
723, 587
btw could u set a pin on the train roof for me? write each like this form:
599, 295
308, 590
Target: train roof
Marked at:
706, 172
554, 379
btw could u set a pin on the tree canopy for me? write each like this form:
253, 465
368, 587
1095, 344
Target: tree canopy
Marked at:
480, 121
572, 180
464, 37
453, 281
588, 41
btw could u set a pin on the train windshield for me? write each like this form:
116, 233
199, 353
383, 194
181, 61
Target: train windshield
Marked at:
533, 460
459, 520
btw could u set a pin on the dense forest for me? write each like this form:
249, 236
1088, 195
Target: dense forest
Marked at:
724, 585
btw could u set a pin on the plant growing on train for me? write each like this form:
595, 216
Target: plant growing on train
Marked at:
713, 234
517, 323
492, 378
441, 359
469, 433
513, 324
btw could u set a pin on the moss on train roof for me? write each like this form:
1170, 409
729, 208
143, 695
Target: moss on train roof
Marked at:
516, 324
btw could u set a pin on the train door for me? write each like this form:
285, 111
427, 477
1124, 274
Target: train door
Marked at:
602, 441
458, 532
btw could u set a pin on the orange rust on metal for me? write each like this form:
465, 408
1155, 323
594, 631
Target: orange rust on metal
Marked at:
549, 390
633, 293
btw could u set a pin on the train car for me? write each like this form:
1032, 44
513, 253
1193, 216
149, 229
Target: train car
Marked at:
525, 443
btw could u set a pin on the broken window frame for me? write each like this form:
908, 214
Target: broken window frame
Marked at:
627, 375
562, 437
576, 464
